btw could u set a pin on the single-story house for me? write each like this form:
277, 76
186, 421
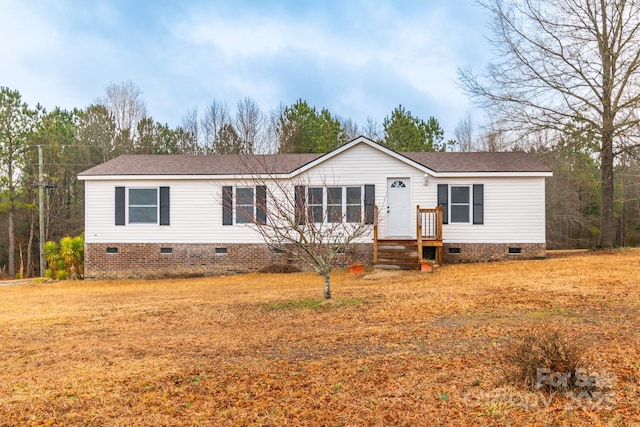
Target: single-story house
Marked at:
173, 215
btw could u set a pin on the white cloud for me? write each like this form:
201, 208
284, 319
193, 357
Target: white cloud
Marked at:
358, 59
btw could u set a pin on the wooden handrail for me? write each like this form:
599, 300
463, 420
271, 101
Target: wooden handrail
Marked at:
429, 223
429, 228
375, 234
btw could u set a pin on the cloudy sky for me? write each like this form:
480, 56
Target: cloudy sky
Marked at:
357, 58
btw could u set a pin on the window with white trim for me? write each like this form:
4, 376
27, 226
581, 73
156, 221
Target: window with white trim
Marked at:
315, 204
460, 204
354, 204
143, 205
244, 205
335, 204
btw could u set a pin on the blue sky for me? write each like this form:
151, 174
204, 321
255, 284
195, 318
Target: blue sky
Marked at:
357, 58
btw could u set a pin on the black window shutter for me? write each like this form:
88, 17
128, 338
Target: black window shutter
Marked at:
227, 205
164, 206
261, 204
369, 202
443, 200
478, 203
120, 205
300, 203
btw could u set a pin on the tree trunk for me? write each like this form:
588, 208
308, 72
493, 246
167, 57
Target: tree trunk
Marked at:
607, 220
29, 272
327, 285
12, 244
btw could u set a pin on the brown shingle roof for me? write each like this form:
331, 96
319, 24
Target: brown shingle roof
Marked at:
515, 161
210, 164
286, 163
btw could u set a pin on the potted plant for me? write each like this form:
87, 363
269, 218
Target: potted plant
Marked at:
426, 266
356, 269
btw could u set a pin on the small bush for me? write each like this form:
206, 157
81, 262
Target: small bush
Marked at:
62, 274
543, 360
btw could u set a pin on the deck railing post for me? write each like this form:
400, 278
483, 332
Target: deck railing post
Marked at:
419, 231
375, 234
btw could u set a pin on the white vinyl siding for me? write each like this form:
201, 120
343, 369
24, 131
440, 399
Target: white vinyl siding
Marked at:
514, 212
514, 208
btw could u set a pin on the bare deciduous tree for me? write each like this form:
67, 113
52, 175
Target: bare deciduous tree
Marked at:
350, 129
292, 219
249, 125
216, 116
124, 102
372, 130
562, 60
463, 134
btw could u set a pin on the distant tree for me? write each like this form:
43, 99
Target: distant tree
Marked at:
125, 104
371, 130
249, 126
190, 135
158, 138
562, 60
228, 141
17, 123
302, 129
464, 134
215, 117
96, 135
404, 132
572, 193
350, 129
63, 160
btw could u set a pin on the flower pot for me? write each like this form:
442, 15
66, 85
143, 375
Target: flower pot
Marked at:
356, 269
426, 266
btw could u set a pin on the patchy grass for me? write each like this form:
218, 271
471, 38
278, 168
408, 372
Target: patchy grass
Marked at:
395, 348
313, 304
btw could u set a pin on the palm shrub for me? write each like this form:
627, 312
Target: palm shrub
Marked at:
65, 259
52, 256
77, 243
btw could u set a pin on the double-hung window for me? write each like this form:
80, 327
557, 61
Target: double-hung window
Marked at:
248, 205
142, 205
244, 205
460, 204
354, 204
315, 204
334, 204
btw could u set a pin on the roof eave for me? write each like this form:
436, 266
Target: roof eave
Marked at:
505, 174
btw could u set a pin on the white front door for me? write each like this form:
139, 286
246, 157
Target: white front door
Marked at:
398, 207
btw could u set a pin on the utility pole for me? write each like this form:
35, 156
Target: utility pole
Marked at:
41, 206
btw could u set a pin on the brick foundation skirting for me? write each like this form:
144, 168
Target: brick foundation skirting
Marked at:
475, 252
152, 260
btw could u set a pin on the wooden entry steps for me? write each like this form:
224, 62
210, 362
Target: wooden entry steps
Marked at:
398, 253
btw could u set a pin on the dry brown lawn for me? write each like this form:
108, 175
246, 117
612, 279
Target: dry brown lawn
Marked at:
394, 348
